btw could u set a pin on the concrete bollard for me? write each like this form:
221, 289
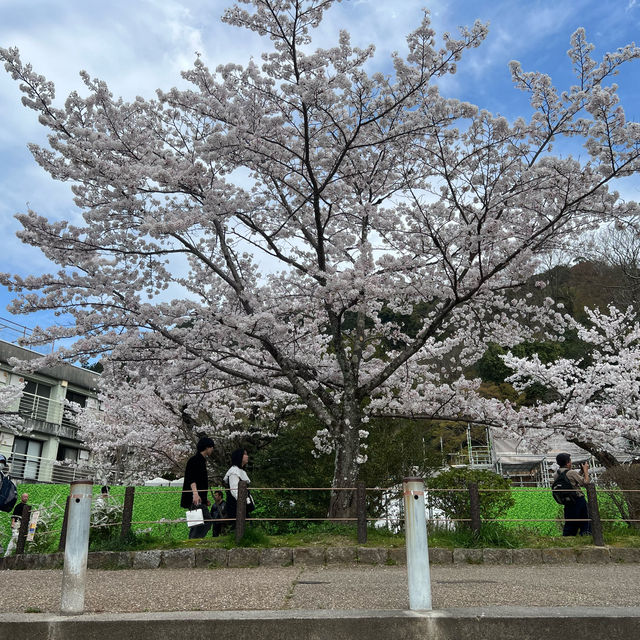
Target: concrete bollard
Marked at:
76, 548
417, 547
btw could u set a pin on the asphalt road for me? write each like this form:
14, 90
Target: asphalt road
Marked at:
342, 587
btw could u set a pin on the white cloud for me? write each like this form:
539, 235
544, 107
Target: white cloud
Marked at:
142, 45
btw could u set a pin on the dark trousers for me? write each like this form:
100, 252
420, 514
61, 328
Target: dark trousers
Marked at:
219, 528
579, 513
201, 530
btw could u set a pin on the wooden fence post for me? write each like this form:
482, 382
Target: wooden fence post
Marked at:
361, 504
474, 507
241, 510
127, 512
65, 523
24, 529
594, 514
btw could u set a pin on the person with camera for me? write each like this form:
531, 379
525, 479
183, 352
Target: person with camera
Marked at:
576, 512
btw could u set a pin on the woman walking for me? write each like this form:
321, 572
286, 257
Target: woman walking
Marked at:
236, 473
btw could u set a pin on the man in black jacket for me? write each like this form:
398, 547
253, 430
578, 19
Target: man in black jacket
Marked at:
196, 487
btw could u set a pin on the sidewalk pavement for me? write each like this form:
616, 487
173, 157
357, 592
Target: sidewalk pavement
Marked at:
337, 587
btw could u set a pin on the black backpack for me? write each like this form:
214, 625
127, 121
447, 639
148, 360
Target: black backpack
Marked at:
8, 493
562, 490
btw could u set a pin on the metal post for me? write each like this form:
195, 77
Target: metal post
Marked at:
417, 546
361, 503
594, 514
241, 510
76, 548
474, 507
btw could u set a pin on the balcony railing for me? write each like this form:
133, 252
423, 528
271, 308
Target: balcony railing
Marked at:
23, 467
41, 408
476, 457
52, 416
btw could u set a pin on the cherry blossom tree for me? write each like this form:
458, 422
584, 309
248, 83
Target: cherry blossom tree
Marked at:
263, 238
10, 394
593, 402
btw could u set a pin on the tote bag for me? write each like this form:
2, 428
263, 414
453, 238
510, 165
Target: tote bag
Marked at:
194, 518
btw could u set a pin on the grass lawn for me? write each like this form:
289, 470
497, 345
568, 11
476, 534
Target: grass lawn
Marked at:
153, 504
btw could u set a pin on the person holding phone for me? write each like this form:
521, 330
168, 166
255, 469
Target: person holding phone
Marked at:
576, 512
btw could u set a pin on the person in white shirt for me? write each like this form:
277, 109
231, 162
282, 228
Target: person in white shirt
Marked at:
239, 460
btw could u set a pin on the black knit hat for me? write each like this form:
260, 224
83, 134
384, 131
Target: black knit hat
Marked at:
205, 443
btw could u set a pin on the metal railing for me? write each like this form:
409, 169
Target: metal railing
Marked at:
41, 408
478, 456
37, 469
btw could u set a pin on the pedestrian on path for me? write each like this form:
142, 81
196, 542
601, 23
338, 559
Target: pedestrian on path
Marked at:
16, 519
236, 473
195, 488
218, 512
576, 512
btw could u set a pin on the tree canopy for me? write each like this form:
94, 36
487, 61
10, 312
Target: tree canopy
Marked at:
244, 240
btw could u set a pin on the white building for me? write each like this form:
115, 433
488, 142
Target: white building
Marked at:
529, 460
49, 450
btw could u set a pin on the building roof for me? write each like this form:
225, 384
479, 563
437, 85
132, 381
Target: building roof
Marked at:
73, 374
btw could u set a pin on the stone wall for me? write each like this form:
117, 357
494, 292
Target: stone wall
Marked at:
317, 556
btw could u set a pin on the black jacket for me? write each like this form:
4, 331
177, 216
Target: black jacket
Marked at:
195, 471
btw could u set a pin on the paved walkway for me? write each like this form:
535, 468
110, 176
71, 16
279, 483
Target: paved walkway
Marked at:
341, 587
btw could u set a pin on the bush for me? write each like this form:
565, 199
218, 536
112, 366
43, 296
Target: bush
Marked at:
289, 504
47, 534
491, 535
623, 482
456, 504
106, 517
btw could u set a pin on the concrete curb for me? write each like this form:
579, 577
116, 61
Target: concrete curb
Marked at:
489, 623
319, 556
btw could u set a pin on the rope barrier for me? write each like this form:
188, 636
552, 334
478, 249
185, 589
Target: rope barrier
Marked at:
117, 500
171, 490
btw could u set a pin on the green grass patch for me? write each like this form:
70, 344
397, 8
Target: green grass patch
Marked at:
526, 527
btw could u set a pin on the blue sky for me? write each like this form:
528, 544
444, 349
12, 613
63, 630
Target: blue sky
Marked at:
139, 46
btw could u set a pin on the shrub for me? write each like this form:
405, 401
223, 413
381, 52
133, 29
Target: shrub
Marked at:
448, 492
47, 533
106, 516
623, 481
491, 535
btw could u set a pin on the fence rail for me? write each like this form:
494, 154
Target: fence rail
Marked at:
360, 518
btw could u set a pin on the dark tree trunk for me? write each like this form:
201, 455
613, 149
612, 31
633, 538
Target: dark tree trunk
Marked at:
345, 474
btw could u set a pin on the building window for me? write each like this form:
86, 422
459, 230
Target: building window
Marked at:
25, 458
67, 453
69, 415
34, 402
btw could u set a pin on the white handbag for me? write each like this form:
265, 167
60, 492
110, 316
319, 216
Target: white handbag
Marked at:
194, 518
